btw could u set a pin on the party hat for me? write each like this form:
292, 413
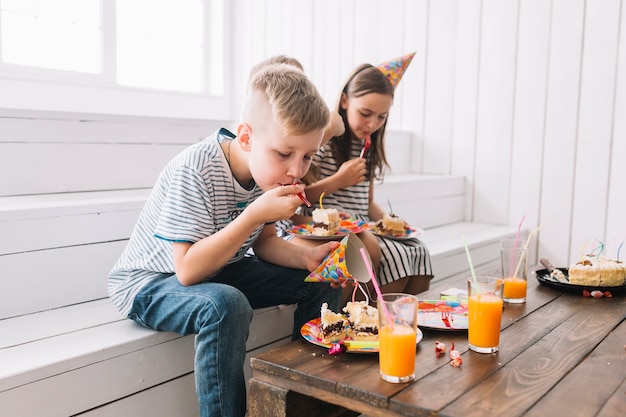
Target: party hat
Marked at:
394, 68
343, 264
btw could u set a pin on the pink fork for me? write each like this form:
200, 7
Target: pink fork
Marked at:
368, 143
303, 198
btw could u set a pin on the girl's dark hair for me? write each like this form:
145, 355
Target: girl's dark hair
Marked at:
365, 79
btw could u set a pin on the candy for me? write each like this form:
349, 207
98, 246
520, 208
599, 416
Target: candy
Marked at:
337, 348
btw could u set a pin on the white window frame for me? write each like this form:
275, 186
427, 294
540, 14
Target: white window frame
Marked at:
33, 88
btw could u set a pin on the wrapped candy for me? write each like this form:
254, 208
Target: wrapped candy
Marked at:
440, 348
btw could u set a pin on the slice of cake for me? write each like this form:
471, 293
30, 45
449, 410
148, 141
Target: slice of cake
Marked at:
326, 222
598, 272
391, 224
363, 320
584, 272
333, 326
612, 273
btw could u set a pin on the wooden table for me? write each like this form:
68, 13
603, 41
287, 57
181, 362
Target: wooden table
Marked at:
561, 354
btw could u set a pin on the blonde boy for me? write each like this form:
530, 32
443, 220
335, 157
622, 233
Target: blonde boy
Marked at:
187, 267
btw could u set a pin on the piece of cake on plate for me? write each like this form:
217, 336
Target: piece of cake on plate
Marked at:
363, 320
597, 272
326, 222
333, 326
391, 224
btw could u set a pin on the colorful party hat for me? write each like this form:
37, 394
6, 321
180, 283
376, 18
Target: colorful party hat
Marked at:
394, 68
343, 264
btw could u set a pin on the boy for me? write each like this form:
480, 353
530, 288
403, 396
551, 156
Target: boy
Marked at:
185, 268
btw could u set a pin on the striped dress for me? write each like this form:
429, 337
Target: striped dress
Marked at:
400, 258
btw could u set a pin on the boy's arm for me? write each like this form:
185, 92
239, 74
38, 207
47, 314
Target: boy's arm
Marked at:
194, 262
276, 250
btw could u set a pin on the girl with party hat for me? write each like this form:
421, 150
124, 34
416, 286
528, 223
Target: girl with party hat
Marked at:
345, 172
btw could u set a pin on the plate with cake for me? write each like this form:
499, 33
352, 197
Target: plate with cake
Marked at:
590, 273
357, 328
327, 224
393, 227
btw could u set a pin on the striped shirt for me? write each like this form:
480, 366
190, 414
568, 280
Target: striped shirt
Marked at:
195, 196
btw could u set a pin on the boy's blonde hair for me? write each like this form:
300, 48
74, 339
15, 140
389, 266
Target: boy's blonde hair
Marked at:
294, 100
276, 59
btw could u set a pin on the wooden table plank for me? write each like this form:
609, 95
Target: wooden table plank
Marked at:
606, 366
517, 386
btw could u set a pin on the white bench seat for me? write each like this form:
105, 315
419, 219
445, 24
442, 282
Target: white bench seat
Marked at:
68, 212
447, 248
77, 358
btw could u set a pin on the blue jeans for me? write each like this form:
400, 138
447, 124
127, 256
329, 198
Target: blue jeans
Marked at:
219, 312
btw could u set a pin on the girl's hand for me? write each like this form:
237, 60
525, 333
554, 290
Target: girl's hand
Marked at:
351, 172
344, 215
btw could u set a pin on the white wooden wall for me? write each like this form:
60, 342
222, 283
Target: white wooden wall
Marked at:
525, 98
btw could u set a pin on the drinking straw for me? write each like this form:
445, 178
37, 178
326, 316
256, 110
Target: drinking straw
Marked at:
619, 248
525, 248
373, 278
469, 259
519, 228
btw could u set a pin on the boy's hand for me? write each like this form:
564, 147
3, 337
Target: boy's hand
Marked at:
277, 204
351, 173
317, 254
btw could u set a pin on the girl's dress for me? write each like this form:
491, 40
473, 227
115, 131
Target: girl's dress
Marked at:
400, 258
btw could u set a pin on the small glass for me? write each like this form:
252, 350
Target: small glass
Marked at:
484, 308
397, 336
514, 263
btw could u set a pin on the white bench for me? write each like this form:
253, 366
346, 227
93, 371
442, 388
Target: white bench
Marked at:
74, 195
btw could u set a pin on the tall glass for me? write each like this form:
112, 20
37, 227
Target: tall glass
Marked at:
484, 309
397, 335
514, 262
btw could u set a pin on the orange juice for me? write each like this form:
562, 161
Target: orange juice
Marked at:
397, 350
483, 321
514, 288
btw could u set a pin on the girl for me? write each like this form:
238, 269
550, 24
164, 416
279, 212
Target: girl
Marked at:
347, 179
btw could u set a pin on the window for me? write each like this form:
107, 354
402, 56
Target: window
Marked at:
163, 50
138, 46
62, 34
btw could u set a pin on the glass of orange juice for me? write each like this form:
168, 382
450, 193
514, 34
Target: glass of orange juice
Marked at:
484, 313
514, 261
397, 336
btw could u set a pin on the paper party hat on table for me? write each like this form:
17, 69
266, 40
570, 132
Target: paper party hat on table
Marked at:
394, 68
343, 264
